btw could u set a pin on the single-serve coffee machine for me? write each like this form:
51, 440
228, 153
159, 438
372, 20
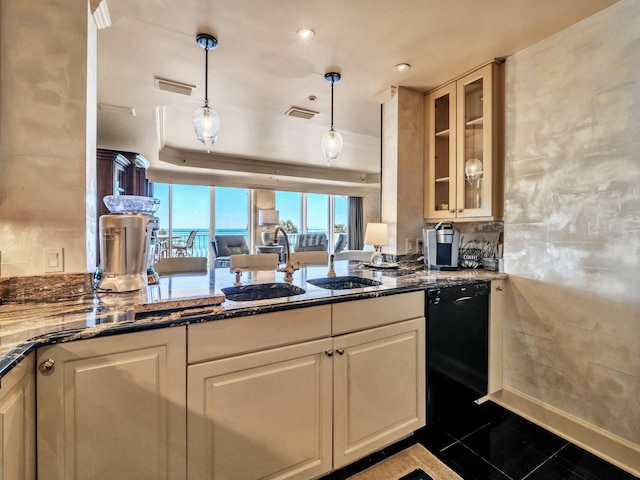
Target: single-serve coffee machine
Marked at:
442, 243
127, 241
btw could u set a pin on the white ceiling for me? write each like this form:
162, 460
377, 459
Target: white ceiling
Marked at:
260, 69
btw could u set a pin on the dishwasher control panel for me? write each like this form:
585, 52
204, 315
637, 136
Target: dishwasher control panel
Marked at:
457, 292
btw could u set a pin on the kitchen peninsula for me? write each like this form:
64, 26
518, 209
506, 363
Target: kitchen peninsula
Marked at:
299, 333
181, 299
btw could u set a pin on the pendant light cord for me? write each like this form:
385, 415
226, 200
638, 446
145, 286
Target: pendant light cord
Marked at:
332, 82
206, 76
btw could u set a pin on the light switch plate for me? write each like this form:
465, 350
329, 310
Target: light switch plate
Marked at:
410, 245
53, 260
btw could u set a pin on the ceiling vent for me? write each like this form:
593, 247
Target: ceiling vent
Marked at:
117, 109
173, 86
301, 113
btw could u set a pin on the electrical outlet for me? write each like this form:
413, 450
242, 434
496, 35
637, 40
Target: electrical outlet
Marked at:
53, 260
410, 245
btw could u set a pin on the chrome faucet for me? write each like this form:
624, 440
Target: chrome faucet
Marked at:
288, 269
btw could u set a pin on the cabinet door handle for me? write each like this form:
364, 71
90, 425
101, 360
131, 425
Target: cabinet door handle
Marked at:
499, 289
452, 211
329, 352
460, 210
340, 350
47, 366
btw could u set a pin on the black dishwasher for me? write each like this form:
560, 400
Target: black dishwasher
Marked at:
457, 349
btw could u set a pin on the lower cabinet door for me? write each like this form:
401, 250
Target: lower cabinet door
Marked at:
379, 388
264, 415
113, 407
18, 423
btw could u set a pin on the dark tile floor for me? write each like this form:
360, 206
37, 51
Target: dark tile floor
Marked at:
488, 442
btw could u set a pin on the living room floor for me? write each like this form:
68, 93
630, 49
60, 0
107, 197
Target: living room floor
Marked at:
488, 442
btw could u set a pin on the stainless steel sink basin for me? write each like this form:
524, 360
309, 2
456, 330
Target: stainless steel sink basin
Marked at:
343, 283
261, 291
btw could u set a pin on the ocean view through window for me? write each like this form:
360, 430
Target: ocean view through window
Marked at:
227, 211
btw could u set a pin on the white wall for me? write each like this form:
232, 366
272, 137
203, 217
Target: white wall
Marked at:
572, 221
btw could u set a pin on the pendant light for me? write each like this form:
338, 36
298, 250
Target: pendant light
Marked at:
332, 140
205, 120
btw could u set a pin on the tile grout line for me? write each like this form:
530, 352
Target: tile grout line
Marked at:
546, 460
476, 430
449, 446
487, 461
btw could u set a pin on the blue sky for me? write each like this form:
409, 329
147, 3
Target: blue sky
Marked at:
191, 207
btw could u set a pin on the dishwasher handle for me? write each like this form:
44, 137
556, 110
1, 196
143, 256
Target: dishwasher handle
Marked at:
463, 299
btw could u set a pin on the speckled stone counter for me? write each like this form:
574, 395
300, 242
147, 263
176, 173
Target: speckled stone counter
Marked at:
189, 298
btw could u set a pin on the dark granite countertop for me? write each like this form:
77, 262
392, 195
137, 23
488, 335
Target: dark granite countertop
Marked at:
190, 298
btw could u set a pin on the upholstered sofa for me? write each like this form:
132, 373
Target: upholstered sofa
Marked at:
311, 242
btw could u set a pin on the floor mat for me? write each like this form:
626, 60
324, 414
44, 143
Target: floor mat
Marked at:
417, 474
406, 463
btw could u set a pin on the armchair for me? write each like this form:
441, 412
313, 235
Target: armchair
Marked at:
226, 245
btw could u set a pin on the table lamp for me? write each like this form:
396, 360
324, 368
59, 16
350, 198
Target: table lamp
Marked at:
377, 234
268, 218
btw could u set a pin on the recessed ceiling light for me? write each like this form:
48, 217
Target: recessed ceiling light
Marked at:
305, 33
401, 67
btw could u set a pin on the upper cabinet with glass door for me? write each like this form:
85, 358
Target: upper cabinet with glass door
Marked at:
464, 154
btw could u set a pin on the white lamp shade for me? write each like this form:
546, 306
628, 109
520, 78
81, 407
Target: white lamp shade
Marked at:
268, 217
207, 124
376, 234
331, 145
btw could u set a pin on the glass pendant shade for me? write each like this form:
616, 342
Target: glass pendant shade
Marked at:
205, 120
331, 145
473, 169
207, 124
332, 140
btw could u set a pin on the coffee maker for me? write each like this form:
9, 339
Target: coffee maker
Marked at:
442, 243
127, 244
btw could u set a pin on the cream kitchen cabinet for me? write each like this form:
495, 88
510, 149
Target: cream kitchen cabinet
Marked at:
259, 396
261, 415
305, 391
496, 333
17, 422
464, 148
113, 407
378, 388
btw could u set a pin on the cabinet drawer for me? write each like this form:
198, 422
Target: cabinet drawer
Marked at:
233, 336
371, 312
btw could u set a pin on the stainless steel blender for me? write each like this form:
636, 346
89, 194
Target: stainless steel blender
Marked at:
127, 244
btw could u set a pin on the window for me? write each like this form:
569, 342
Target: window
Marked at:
317, 213
322, 214
340, 216
289, 205
223, 210
232, 212
190, 207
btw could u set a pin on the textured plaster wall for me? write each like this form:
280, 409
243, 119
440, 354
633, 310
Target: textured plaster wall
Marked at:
44, 138
572, 221
402, 168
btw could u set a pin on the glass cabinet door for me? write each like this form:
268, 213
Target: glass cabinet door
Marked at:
441, 163
474, 144
462, 148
